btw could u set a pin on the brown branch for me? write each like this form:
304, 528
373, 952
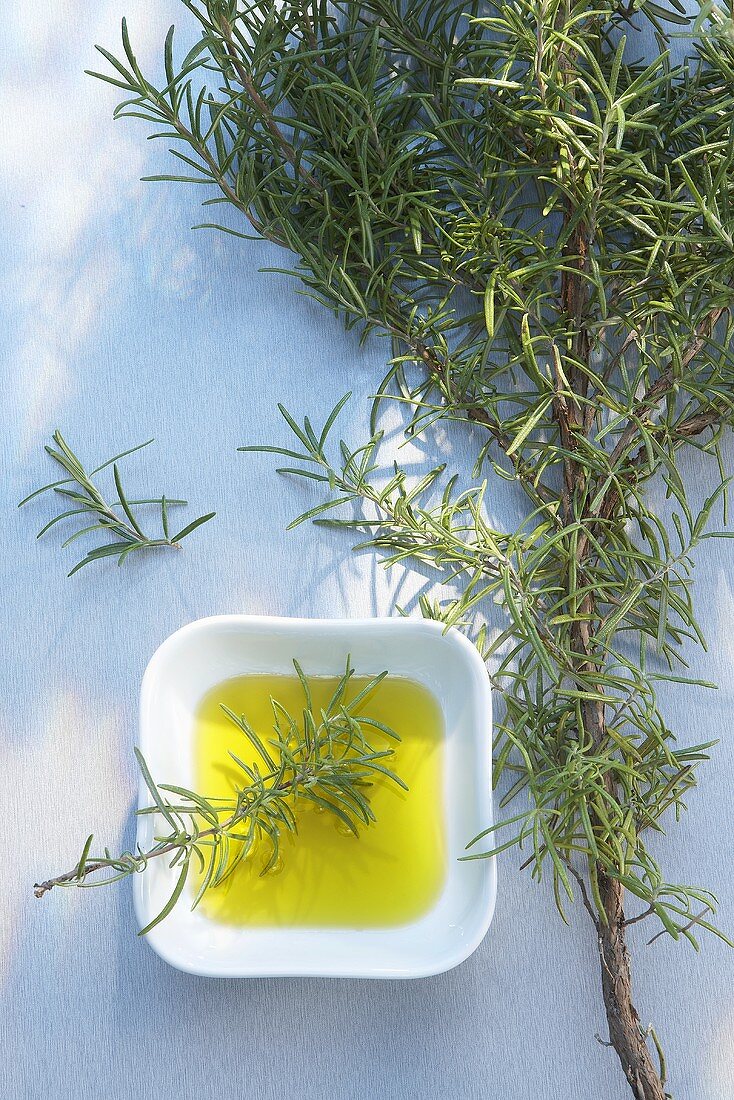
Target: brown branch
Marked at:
664, 383
262, 107
655, 393
79, 874
687, 429
585, 898
640, 916
567, 423
41, 888
697, 423
692, 922
625, 1033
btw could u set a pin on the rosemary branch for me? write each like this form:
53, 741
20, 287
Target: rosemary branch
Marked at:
544, 228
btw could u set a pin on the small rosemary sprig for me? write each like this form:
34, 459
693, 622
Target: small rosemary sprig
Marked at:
326, 760
116, 518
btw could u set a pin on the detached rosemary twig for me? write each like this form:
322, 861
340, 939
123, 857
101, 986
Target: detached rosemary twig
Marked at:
326, 760
114, 519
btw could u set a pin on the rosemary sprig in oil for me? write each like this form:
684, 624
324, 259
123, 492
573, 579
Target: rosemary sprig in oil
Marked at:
116, 518
327, 759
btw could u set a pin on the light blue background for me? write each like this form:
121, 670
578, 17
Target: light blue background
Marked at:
119, 323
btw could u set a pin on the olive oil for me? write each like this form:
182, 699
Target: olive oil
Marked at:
325, 876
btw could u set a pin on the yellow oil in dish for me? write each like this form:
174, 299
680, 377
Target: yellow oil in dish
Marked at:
392, 872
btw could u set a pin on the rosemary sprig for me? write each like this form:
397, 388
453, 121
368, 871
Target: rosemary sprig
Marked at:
116, 519
327, 760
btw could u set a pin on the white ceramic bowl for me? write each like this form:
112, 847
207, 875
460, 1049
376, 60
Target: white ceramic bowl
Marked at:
198, 657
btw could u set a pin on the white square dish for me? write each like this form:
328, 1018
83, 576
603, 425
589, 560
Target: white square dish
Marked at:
203, 654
